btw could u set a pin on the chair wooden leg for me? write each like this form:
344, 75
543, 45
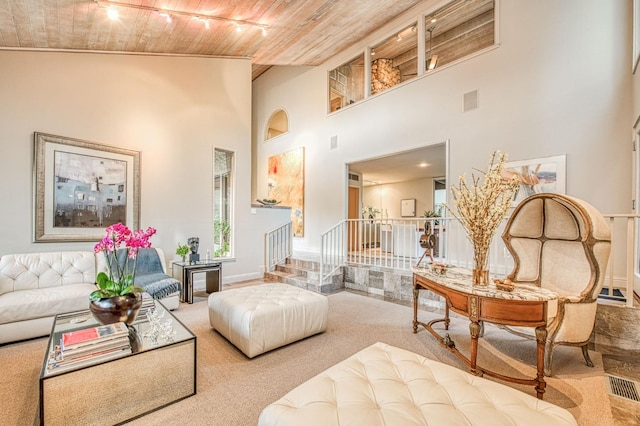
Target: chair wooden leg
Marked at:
548, 354
585, 354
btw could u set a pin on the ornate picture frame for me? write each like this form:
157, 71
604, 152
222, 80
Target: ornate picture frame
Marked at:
81, 187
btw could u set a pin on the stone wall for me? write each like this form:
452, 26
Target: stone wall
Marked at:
394, 285
384, 75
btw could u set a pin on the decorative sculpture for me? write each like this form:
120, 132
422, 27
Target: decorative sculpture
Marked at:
427, 242
194, 243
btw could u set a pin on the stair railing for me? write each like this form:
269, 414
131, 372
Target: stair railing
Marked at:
278, 245
387, 243
333, 251
395, 244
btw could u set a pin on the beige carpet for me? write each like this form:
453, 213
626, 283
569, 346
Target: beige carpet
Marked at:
232, 389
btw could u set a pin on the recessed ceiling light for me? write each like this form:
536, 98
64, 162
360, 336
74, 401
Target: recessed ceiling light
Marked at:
423, 164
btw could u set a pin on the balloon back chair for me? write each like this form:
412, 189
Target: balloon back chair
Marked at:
562, 244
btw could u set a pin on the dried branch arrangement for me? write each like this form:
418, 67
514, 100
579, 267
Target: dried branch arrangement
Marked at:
482, 206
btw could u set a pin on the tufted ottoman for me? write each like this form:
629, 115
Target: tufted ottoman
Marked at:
385, 385
259, 318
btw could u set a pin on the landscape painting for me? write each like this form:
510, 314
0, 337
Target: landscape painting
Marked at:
286, 185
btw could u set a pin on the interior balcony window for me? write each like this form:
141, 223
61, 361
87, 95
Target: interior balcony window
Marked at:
277, 125
395, 60
458, 29
346, 84
223, 188
455, 31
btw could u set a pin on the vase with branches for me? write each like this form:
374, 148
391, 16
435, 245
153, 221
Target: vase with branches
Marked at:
480, 208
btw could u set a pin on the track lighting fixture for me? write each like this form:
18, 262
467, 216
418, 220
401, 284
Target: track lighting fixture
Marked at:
169, 15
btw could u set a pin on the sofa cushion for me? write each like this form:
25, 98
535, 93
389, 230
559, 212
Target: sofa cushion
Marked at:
44, 302
40, 270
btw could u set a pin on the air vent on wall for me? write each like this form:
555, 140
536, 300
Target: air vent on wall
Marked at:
334, 142
354, 177
470, 101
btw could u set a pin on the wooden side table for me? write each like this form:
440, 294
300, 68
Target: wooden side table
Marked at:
526, 306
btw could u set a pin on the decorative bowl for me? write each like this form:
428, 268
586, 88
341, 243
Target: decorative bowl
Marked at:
116, 309
266, 202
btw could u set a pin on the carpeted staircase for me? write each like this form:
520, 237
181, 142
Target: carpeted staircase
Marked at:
305, 273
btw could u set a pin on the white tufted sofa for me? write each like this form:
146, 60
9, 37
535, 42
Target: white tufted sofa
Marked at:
35, 287
385, 385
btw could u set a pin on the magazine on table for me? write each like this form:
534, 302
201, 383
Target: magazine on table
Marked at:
57, 363
69, 354
89, 336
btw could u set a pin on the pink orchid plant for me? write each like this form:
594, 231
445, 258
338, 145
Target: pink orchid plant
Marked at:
121, 276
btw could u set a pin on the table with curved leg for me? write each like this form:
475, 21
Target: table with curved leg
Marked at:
525, 306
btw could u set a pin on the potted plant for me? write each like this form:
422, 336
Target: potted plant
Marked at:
431, 213
370, 212
183, 251
117, 297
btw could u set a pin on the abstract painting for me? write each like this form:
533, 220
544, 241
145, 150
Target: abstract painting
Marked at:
286, 184
83, 187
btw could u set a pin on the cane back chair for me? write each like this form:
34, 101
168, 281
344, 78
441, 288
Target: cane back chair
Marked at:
562, 244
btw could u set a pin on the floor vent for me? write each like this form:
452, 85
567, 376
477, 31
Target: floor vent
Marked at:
623, 388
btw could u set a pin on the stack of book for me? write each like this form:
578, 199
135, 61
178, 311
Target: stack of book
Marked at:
91, 345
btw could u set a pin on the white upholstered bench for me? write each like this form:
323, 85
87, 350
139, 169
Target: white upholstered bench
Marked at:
259, 318
385, 385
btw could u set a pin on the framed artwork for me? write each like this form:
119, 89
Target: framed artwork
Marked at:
538, 175
408, 207
286, 185
82, 187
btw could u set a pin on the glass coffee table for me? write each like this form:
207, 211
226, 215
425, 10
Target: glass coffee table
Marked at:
158, 371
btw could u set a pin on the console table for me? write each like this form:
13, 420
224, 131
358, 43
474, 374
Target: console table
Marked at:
526, 306
184, 271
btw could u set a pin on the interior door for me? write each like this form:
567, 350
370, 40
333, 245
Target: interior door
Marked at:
353, 212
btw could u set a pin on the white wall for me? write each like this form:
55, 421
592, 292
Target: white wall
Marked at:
174, 110
559, 83
636, 76
388, 197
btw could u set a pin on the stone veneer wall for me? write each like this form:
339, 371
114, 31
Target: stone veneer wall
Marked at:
384, 75
394, 285
616, 326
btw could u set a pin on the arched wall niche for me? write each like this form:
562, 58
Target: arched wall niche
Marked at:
277, 125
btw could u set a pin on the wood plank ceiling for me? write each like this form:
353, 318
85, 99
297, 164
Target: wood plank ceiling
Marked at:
298, 32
